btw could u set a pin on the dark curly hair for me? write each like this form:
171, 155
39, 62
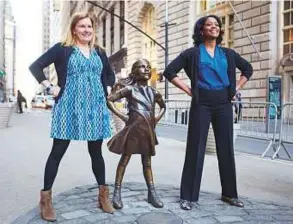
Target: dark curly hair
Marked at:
198, 38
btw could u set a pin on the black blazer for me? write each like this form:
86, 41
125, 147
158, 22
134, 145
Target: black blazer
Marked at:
59, 55
188, 60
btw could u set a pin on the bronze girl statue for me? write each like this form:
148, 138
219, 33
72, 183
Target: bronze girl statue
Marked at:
138, 136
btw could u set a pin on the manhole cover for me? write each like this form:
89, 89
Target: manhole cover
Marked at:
157, 217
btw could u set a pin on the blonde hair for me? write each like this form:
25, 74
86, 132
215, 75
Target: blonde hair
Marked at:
69, 39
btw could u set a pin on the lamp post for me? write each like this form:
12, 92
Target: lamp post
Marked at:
166, 25
11, 37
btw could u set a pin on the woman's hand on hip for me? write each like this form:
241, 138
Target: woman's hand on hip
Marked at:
188, 91
109, 89
56, 91
181, 85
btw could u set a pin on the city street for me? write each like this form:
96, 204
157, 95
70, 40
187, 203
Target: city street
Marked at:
242, 144
25, 146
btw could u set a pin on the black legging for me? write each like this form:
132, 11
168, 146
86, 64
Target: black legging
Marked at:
58, 150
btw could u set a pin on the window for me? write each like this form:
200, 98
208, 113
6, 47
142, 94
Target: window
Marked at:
223, 19
56, 5
222, 9
230, 37
228, 27
206, 5
149, 26
203, 5
149, 50
112, 31
122, 30
288, 27
72, 6
104, 31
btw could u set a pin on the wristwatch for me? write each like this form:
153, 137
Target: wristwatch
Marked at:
49, 89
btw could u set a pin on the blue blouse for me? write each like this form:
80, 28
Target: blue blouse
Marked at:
212, 70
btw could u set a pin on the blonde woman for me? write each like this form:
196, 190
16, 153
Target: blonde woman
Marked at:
80, 111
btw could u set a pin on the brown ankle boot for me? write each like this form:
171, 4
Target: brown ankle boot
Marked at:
46, 207
103, 200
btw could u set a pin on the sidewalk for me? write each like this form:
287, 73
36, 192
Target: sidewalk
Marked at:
26, 145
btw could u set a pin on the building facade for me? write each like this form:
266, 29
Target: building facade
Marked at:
55, 21
285, 46
267, 24
2, 53
46, 30
10, 34
7, 48
55, 33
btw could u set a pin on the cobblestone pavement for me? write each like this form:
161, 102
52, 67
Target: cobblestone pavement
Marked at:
78, 206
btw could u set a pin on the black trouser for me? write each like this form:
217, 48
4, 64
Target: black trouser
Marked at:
221, 116
19, 103
58, 150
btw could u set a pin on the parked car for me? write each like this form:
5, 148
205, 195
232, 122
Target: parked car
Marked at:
12, 99
49, 101
39, 101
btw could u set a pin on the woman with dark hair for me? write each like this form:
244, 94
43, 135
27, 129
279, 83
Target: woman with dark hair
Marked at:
212, 72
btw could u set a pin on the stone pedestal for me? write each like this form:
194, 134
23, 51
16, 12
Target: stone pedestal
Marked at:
211, 143
159, 217
236, 132
6, 110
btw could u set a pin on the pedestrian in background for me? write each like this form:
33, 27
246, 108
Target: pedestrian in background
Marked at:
212, 72
20, 99
80, 111
238, 107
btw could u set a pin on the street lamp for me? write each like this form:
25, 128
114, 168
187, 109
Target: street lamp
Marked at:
166, 25
12, 37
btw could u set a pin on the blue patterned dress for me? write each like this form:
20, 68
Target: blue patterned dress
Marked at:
81, 113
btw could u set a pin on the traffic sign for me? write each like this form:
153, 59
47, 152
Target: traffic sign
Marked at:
2, 73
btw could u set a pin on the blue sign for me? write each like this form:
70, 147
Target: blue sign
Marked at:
275, 95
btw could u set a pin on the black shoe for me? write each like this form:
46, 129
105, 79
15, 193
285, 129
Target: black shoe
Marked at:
185, 205
233, 201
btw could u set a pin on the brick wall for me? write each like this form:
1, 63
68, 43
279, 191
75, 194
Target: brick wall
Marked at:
256, 16
178, 39
134, 49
